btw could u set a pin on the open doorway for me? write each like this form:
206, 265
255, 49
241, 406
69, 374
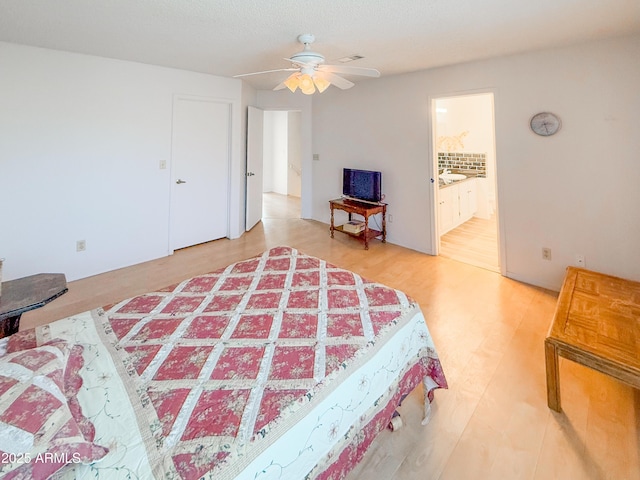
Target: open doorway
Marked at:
282, 172
274, 165
465, 162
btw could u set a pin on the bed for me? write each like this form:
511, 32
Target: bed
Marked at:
281, 366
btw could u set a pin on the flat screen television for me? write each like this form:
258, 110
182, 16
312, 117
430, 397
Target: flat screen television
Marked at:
365, 185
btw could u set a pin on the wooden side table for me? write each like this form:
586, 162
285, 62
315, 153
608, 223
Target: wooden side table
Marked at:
364, 209
596, 324
27, 293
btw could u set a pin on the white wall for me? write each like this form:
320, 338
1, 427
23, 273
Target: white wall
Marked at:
575, 192
80, 145
275, 152
267, 152
470, 113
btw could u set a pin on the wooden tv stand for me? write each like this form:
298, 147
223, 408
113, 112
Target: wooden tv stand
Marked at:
366, 210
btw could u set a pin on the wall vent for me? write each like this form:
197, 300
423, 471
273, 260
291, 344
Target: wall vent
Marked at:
350, 58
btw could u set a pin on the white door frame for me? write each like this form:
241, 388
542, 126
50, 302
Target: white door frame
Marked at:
433, 173
254, 167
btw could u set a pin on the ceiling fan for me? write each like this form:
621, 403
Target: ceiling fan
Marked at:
310, 72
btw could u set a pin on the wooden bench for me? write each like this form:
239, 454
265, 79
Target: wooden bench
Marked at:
596, 324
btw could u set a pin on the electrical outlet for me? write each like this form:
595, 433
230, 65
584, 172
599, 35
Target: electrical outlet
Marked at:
81, 245
546, 253
580, 261
390, 218
316, 157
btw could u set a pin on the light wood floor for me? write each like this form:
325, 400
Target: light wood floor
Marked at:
493, 421
276, 205
474, 242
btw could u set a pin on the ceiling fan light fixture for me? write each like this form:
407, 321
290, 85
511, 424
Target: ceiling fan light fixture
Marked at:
293, 82
306, 84
312, 74
321, 83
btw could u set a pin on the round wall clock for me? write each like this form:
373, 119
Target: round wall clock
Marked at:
545, 123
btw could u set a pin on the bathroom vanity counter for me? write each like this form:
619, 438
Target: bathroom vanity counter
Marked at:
443, 184
455, 176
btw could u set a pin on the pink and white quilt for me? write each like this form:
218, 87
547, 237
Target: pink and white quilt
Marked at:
280, 366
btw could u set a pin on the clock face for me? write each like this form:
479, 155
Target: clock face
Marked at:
545, 123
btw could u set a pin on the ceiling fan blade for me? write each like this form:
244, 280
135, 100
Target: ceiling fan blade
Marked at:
266, 71
339, 82
347, 70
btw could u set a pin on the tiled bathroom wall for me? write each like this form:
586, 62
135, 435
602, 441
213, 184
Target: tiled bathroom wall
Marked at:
474, 162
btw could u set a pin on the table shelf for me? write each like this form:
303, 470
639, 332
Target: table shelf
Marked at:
370, 234
365, 210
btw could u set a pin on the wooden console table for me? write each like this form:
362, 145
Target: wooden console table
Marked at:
28, 293
596, 324
364, 209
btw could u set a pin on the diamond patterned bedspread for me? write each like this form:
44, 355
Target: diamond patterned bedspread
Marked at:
220, 363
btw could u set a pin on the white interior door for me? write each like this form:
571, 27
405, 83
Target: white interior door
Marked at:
199, 171
255, 144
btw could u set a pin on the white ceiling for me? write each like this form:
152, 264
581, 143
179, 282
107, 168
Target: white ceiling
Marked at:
229, 37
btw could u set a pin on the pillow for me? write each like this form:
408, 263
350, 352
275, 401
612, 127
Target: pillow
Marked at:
28, 339
38, 432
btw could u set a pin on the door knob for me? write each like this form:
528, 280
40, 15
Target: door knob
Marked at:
179, 181
250, 174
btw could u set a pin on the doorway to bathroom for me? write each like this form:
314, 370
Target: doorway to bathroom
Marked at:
465, 162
